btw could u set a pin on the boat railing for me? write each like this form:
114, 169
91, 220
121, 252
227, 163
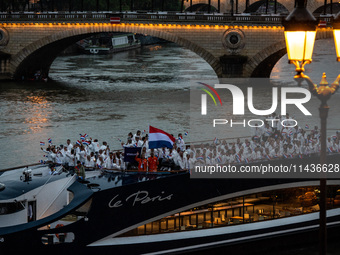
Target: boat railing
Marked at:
18, 167
142, 172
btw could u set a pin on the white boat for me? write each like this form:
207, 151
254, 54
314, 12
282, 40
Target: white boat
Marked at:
157, 212
104, 44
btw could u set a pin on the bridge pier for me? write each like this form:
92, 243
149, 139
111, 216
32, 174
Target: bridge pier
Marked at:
4, 67
233, 65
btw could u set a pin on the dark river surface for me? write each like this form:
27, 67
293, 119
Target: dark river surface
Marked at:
108, 96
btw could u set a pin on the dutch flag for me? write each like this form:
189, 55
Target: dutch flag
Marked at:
306, 127
158, 138
78, 142
218, 159
49, 140
215, 140
268, 157
42, 144
82, 137
238, 158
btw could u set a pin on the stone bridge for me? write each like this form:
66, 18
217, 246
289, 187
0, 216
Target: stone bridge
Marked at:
232, 46
240, 5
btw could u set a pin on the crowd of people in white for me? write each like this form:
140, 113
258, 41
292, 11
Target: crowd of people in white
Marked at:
265, 143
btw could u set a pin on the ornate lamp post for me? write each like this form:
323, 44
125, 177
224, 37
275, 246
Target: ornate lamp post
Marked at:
300, 31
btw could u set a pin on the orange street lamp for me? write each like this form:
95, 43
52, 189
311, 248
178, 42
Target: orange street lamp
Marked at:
300, 30
336, 33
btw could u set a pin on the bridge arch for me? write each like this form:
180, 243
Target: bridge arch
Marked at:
335, 8
261, 65
288, 4
40, 54
257, 6
201, 7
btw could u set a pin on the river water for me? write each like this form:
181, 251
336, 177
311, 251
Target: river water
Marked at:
103, 96
108, 96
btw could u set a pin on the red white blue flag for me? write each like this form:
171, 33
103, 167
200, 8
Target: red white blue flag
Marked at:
42, 144
82, 137
159, 138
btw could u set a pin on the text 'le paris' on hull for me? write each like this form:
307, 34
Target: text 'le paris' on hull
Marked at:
157, 213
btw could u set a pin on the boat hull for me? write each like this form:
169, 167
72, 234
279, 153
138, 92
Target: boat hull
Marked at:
141, 198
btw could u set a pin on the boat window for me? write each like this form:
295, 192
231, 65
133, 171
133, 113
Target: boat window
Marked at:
57, 238
245, 209
72, 217
11, 207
